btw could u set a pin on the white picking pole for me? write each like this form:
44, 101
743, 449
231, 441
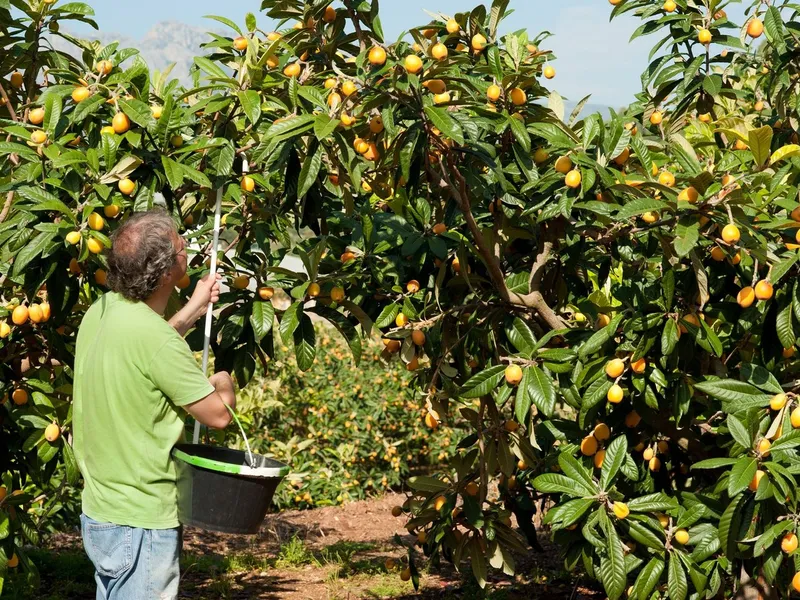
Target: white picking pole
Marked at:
209, 312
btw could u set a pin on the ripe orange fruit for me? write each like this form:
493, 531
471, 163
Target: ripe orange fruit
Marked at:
764, 290
682, 537
656, 118
413, 63
764, 446
241, 282
472, 489
615, 394
111, 211
19, 397
330, 14
397, 511
314, 290
265, 293
405, 574
589, 445
5, 330
418, 337
377, 55
639, 366
240, 43
755, 27
376, 124
120, 123
598, 459
777, 402
788, 352
19, 316
549, 72
795, 418
104, 67
349, 88
430, 420
756, 480
36, 116
602, 320
453, 26
478, 42
650, 217
247, 184
126, 186
95, 221
759, 105
392, 345
401, 320
511, 426
439, 51
95, 246
334, 100
615, 367
789, 543
796, 582
513, 374
740, 145
79, 94
292, 70
38, 137
563, 164
718, 254
35, 313
704, 36
541, 155
689, 195
441, 98
412, 287
360, 145
601, 432
456, 265
746, 297
13, 562
337, 294
632, 419
273, 61
730, 233
494, 92
621, 510
347, 256
573, 179
52, 432
648, 454
654, 464
435, 86
184, 282
372, 152
100, 277
669, 6
623, 157
518, 96
666, 178
16, 80
439, 228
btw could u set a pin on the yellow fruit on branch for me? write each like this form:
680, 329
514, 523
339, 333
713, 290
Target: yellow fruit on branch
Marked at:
599, 458
13, 562
292, 70
704, 36
755, 27
413, 63
589, 445
240, 282
573, 179
36, 116
632, 419
601, 432
682, 537
100, 277
95, 246
405, 574
19, 397
478, 42
513, 374
549, 72
654, 464
494, 92
439, 51
669, 6
16, 80
756, 480
731, 234
764, 447
156, 111
248, 184
789, 543
126, 187
746, 297
265, 293
81, 93
439, 228
104, 67
439, 502
472, 489
19, 316
518, 96
563, 164
38, 137
418, 337
666, 178
615, 394
541, 155
656, 118
763, 290
615, 367
349, 88
52, 432
95, 221
639, 366
240, 43
778, 401
314, 290
377, 56
648, 454
35, 313
689, 195
120, 123
430, 420
621, 510
442, 98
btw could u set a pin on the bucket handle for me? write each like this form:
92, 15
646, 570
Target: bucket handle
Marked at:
244, 436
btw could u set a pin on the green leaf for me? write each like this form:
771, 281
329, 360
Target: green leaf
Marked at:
309, 172
305, 343
598, 339
786, 441
482, 383
738, 393
739, 432
741, 475
387, 315
523, 400
541, 390
290, 320
210, 68
595, 393
225, 21
521, 336
445, 123
677, 585
478, 562
575, 470
44, 200
520, 133
612, 569
173, 171
52, 111
639, 206
648, 579
251, 104
784, 152
760, 377
686, 237
262, 318
714, 463
138, 112
784, 325
428, 485
71, 465
615, 456
652, 503
324, 126
773, 27
760, 142
32, 250
555, 483
691, 516
729, 526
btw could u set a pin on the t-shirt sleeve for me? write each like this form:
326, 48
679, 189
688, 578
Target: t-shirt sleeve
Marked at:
176, 373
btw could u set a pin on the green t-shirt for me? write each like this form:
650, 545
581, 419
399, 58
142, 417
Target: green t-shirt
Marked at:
132, 373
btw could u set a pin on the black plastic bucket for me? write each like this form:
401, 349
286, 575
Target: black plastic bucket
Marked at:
219, 490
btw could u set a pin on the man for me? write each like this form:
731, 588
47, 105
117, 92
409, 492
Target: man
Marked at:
134, 377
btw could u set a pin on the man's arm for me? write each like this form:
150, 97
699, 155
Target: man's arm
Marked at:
211, 410
207, 290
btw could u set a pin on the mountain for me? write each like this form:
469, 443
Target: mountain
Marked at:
167, 42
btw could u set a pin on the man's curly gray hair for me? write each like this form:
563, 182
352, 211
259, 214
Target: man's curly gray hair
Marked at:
142, 252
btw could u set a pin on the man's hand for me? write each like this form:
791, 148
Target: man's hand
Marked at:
206, 290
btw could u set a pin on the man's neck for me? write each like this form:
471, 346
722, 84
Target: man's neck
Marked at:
158, 301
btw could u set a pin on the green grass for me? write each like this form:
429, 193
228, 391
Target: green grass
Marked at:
294, 554
388, 586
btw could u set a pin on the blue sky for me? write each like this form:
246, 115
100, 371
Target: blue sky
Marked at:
594, 56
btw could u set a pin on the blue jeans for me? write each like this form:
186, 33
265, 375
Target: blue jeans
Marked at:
132, 563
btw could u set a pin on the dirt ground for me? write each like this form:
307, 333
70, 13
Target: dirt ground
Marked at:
334, 553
